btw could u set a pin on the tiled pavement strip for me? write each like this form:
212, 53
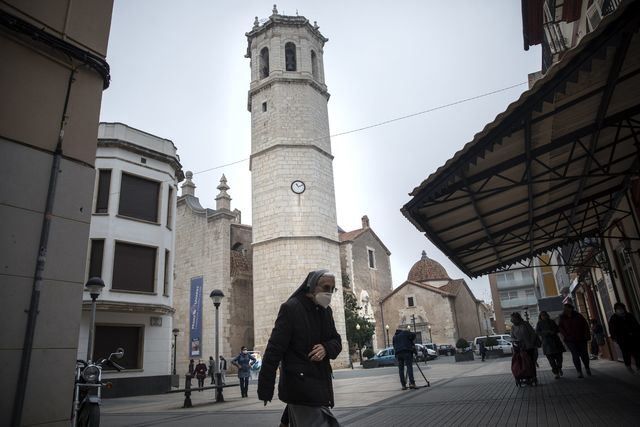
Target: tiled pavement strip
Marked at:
472, 393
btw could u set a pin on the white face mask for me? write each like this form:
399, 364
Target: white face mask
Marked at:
323, 299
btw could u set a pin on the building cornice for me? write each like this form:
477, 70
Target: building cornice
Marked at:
137, 149
288, 147
275, 239
128, 307
278, 77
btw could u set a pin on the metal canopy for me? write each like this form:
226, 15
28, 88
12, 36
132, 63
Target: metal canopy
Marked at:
552, 168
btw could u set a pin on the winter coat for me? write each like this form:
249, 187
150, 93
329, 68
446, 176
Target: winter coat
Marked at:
403, 340
624, 329
574, 328
201, 370
243, 362
300, 325
525, 335
548, 331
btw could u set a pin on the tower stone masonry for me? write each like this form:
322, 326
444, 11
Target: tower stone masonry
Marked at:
294, 209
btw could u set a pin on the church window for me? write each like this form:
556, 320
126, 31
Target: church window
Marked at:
411, 302
264, 106
314, 65
264, 63
134, 268
372, 258
290, 57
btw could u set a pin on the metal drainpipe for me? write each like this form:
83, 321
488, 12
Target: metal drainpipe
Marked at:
27, 348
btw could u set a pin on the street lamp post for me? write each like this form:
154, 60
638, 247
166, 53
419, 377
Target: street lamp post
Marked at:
94, 286
430, 337
175, 331
359, 343
216, 296
386, 327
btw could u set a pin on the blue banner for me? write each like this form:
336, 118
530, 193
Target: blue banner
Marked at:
195, 317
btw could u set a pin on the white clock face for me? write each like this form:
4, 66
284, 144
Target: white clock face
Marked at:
298, 187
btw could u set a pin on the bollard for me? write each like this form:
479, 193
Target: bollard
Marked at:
187, 392
219, 388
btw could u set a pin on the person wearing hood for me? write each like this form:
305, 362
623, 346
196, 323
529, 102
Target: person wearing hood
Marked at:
303, 340
404, 347
625, 331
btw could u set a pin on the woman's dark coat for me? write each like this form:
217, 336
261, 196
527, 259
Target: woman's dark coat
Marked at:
548, 331
624, 329
302, 381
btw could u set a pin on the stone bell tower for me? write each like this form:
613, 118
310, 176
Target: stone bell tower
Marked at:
294, 207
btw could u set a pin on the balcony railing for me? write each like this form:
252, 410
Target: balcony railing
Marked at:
516, 283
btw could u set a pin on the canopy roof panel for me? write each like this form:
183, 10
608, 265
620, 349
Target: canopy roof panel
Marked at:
550, 169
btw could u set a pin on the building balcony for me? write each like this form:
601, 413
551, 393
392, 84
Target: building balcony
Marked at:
526, 282
519, 302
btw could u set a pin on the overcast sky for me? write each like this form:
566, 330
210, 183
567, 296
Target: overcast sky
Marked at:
179, 72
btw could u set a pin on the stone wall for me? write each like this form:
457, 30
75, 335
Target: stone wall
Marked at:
376, 281
466, 309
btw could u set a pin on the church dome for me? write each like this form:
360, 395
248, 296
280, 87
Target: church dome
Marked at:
427, 269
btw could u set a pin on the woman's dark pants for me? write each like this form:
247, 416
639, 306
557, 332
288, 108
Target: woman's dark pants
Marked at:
579, 351
555, 360
244, 386
629, 350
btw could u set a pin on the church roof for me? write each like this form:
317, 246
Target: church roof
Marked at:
427, 269
350, 236
454, 287
425, 286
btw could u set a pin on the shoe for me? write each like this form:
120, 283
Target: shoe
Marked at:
560, 372
589, 371
404, 387
630, 369
556, 376
412, 386
580, 375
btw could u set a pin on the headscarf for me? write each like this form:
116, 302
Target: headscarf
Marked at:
309, 283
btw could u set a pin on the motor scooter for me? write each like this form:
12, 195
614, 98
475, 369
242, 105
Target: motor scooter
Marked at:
87, 392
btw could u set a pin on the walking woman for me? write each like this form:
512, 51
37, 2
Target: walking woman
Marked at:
243, 362
526, 337
552, 346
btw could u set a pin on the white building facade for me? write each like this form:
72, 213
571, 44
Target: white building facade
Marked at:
131, 248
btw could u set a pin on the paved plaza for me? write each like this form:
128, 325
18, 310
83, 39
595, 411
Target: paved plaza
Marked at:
470, 393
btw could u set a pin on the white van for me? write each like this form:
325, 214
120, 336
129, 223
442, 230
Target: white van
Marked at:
504, 342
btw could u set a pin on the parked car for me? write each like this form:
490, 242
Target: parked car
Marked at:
424, 352
498, 337
446, 350
385, 357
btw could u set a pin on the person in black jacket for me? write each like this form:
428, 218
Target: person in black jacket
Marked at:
625, 330
303, 340
403, 344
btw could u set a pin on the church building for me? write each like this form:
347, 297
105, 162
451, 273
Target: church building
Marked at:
439, 309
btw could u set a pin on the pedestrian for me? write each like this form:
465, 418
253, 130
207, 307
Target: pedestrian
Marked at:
525, 336
192, 368
302, 342
243, 362
201, 373
212, 369
552, 346
625, 331
575, 331
482, 349
597, 338
404, 347
222, 368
